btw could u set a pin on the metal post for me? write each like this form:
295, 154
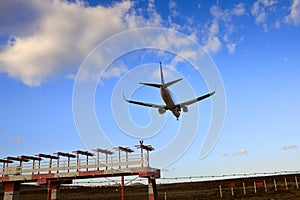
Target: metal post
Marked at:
106, 161
21, 165
296, 182
53, 190
122, 188
68, 164
275, 186
49, 191
11, 190
148, 162
87, 163
119, 159
33, 166
111, 162
142, 157
220, 188
50, 165
244, 188
57, 165
152, 190
3, 169
78, 162
39, 167
265, 184
286, 184
98, 158
126, 159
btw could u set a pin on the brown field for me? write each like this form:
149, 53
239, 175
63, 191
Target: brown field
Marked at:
176, 191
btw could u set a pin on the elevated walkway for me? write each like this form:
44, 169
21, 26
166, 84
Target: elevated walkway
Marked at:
63, 168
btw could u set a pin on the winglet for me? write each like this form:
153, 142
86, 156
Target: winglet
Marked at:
125, 97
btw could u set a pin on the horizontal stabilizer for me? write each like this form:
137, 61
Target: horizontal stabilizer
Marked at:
152, 84
172, 82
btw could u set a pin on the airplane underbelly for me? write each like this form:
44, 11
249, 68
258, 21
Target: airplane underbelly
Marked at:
167, 98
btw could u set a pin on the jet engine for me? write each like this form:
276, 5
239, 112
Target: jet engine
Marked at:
161, 111
185, 109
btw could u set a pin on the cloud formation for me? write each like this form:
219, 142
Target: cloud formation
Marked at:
56, 35
260, 8
294, 16
224, 154
215, 38
283, 148
271, 14
240, 152
51, 38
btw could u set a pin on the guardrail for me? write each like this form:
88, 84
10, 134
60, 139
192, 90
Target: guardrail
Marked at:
73, 165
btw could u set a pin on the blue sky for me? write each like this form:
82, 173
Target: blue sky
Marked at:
254, 45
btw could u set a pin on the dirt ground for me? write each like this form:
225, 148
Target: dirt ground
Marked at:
286, 188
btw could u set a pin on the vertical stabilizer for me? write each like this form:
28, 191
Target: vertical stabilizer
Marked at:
161, 75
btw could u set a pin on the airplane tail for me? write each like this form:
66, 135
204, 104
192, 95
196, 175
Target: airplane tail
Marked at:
161, 75
162, 80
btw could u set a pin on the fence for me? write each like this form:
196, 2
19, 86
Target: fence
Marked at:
235, 186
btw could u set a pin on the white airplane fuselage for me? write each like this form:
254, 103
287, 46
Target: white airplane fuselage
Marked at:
167, 98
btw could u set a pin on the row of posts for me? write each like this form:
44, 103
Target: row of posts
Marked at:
257, 185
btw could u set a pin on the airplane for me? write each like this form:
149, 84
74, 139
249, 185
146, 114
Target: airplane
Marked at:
167, 98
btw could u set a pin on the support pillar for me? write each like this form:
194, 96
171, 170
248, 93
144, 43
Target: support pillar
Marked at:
53, 190
12, 191
152, 189
122, 188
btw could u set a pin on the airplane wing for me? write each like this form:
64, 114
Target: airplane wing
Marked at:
195, 100
145, 104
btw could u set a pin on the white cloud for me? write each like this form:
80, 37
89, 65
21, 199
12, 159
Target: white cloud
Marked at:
184, 55
59, 35
115, 71
261, 10
294, 16
232, 46
224, 154
238, 10
213, 44
240, 152
53, 37
216, 12
288, 147
212, 41
173, 8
